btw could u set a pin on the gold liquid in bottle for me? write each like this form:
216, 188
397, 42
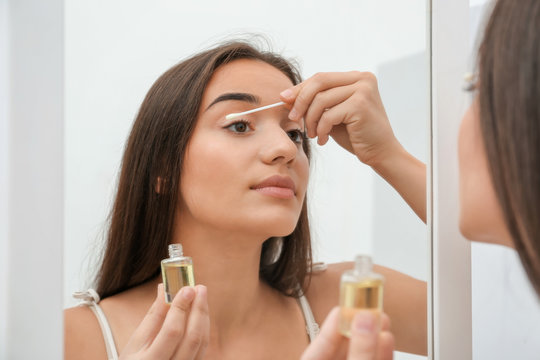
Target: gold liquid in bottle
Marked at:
361, 289
177, 271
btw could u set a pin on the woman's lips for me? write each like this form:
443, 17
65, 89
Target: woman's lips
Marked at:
282, 187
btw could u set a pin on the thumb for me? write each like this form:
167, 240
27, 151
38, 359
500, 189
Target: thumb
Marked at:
363, 343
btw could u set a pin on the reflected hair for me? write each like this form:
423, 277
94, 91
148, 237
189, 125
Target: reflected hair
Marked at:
509, 100
142, 217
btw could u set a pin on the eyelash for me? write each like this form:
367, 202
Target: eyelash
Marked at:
241, 121
299, 133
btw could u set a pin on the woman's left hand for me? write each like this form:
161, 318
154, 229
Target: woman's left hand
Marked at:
366, 342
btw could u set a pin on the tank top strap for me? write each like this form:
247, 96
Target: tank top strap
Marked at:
312, 327
317, 267
91, 299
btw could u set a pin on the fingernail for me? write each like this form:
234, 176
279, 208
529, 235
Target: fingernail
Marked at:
286, 93
188, 293
364, 322
293, 114
201, 290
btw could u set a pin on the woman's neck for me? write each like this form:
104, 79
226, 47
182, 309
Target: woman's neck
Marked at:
228, 265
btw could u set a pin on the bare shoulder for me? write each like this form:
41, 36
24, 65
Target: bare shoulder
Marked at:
323, 291
82, 335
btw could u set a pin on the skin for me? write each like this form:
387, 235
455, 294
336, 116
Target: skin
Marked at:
481, 217
222, 225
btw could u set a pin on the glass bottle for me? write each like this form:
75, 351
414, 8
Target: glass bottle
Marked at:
177, 271
360, 288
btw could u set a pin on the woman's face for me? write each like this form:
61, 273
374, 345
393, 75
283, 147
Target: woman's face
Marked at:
481, 217
248, 174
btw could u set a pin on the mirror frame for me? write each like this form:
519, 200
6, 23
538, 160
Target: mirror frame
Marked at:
450, 312
32, 156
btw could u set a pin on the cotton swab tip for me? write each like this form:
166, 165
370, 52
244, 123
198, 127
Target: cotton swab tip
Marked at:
235, 115
232, 116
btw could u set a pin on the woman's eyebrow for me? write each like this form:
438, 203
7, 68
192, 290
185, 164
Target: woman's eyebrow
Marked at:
250, 98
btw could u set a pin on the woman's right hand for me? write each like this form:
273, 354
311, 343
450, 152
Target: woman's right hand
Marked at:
366, 342
180, 330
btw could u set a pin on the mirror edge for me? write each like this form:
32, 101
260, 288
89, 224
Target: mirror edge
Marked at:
450, 285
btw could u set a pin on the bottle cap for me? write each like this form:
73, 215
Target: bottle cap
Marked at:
363, 264
175, 250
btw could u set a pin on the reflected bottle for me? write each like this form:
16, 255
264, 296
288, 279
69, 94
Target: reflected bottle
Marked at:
177, 271
361, 289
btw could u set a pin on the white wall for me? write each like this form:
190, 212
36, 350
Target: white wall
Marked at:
505, 307
404, 87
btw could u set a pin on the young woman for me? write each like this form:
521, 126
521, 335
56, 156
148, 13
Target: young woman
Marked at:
232, 192
499, 160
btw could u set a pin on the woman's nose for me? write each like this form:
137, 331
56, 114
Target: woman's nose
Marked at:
278, 147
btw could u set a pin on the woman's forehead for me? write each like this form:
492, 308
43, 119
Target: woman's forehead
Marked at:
248, 76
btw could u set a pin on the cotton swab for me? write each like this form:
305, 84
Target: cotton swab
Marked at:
235, 115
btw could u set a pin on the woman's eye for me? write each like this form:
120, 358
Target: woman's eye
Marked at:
296, 135
239, 127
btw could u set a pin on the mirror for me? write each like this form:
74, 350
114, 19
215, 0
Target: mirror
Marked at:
115, 50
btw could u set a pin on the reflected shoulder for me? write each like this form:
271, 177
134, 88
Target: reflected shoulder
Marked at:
323, 291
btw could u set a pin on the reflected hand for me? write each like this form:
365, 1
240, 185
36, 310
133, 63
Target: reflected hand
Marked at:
176, 331
348, 107
365, 343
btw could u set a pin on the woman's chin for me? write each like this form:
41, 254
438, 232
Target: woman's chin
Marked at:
471, 231
277, 229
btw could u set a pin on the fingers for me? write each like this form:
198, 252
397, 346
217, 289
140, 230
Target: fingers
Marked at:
385, 346
385, 322
323, 102
174, 326
303, 94
327, 100
329, 342
331, 118
150, 325
366, 343
195, 341
363, 336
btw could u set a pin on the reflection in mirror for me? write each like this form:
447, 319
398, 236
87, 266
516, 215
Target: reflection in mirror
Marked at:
502, 293
115, 52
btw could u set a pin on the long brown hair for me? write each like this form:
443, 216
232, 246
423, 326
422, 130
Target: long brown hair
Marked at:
509, 97
142, 219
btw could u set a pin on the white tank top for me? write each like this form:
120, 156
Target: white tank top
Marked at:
91, 299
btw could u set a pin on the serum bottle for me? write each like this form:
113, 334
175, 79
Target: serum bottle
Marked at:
361, 289
177, 271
